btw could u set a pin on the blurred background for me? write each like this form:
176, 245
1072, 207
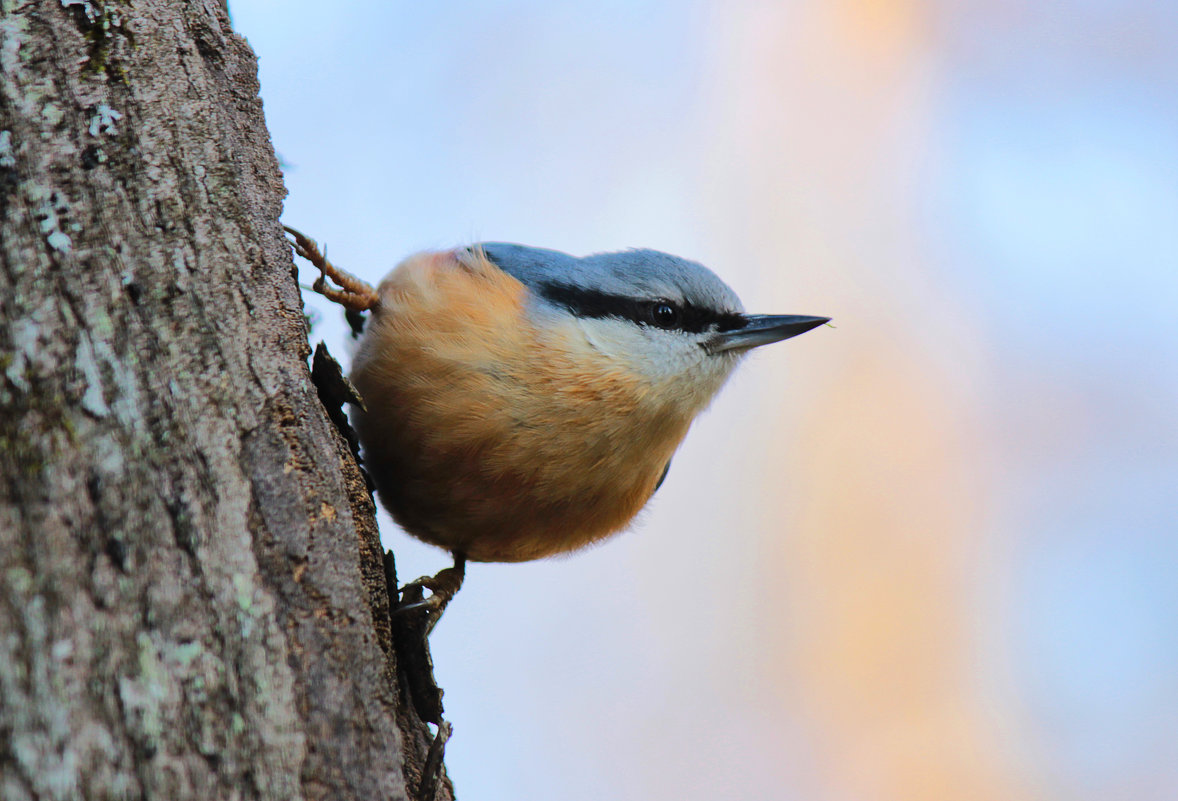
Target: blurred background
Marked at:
928, 554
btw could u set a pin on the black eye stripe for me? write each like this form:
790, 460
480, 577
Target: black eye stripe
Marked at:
591, 303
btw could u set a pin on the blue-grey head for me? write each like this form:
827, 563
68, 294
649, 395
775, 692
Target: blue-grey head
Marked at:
669, 317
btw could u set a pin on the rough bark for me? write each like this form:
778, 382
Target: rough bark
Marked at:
192, 601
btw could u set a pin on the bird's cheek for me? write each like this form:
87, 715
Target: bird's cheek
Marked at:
699, 386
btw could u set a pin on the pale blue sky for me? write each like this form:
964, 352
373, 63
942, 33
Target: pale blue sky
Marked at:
1049, 203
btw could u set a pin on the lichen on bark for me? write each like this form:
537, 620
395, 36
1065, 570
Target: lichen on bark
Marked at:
191, 596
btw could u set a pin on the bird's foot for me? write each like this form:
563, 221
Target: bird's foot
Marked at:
442, 587
354, 294
413, 617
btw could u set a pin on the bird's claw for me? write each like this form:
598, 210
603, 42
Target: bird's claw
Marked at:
354, 294
442, 587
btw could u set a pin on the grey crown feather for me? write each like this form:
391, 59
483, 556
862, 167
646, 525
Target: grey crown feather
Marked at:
639, 274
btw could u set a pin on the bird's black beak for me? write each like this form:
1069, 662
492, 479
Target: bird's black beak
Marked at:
761, 329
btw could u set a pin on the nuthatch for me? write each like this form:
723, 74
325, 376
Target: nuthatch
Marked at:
520, 402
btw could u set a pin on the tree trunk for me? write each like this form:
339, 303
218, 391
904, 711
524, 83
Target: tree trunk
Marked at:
192, 602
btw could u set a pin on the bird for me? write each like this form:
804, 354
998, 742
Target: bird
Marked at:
519, 402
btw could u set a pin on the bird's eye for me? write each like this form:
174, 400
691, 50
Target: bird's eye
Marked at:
664, 314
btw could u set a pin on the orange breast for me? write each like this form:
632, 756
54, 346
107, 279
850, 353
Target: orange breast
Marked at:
489, 434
